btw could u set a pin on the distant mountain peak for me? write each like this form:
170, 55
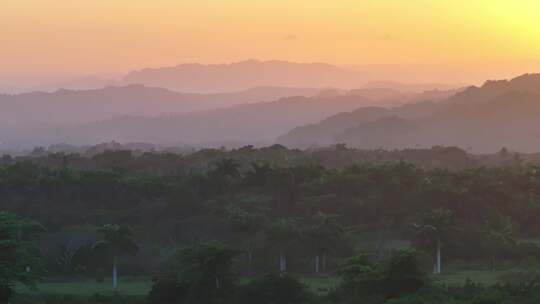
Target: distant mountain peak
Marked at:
226, 77
520, 82
529, 83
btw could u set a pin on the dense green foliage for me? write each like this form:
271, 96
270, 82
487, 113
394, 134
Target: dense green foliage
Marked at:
276, 210
19, 258
273, 288
116, 241
373, 282
201, 273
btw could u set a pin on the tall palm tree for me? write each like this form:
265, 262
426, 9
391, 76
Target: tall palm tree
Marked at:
282, 234
500, 233
227, 172
116, 241
433, 228
324, 237
246, 224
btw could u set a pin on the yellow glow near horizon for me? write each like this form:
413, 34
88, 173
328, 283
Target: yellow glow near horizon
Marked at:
38, 37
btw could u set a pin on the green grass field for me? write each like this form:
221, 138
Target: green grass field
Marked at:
126, 286
141, 286
320, 284
479, 276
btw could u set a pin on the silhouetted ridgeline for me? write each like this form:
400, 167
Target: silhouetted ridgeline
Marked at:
63, 106
248, 123
483, 119
246, 74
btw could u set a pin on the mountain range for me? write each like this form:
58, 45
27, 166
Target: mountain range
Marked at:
230, 77
246, 74
498, 114
313, 110
83, 106
248, 123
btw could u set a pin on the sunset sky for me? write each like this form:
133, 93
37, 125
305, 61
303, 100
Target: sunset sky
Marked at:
472, 39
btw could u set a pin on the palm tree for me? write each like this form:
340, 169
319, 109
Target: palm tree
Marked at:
246, 223
281, 234
116, 240
433, 227
226, 172
500, 232
206, 263
385, 225
324, 237
284, 187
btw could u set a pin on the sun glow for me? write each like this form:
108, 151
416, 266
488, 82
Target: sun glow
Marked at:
40, 36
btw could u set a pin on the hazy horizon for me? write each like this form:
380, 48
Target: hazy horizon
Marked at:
404, 74
384, 74
414, 41
270, 151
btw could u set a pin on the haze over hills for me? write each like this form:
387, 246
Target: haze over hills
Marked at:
510, 120
80, 106
153, 107
232, 77
249, 123
252, 73
269, 152
76, 83
372, 115
325, 132
246, 74
412, 87
484, 119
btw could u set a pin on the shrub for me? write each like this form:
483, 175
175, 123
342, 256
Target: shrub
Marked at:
275, 289
363, 280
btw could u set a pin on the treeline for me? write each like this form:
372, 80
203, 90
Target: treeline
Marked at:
228, 200
296, 218
115, 155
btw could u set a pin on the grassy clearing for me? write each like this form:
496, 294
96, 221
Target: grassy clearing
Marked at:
485, 277
320, 284
141, 286
126, 286
323, 284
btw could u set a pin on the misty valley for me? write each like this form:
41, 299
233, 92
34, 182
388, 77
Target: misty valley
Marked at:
269, 152
390, 193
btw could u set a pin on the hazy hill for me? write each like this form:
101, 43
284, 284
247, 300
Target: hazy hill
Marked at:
509, 120
325, 132
79, 106
247, 123
246, 74
411, 87
494, 88
80, 83
484, 119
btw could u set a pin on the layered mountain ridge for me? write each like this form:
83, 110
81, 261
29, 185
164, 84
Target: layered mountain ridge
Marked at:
498, 114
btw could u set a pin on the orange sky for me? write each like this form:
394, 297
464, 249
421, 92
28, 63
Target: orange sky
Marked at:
471, 39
